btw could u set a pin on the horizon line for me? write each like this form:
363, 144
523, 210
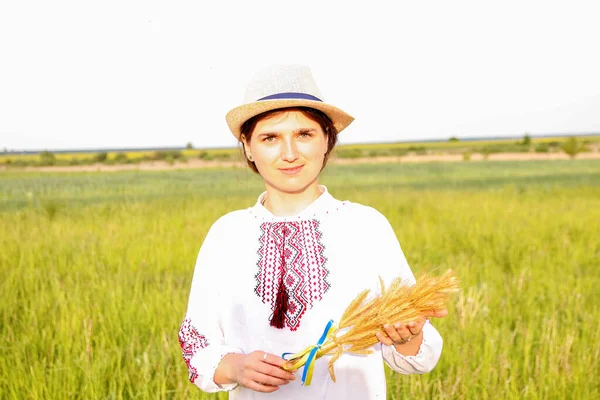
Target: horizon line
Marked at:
430, 140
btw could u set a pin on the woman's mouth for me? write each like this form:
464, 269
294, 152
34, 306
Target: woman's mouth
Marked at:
291, 171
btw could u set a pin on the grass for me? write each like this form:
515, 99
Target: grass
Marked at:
456, 147
551, 144
95, 271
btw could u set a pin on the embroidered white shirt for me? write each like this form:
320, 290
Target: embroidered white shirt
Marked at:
330, 252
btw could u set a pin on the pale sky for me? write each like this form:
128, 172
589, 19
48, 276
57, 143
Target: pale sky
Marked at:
110, 74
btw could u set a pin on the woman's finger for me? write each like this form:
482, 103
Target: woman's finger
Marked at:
272, 365
415, 327
269, 380
259, 374
274, 360
384, 339
276, 372
394, 332
401, 333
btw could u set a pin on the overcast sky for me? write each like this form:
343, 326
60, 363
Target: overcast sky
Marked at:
110, 74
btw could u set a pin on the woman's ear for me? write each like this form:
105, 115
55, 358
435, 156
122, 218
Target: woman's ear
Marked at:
246, 147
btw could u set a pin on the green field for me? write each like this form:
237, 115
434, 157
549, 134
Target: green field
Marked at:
589, 143
95, 270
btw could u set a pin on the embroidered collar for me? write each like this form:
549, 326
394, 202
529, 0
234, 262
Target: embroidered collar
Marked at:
322, 205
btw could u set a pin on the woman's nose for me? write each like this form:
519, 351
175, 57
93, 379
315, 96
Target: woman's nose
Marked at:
289, 151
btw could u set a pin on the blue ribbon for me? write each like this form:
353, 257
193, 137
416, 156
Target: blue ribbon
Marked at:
307, 371
290, 95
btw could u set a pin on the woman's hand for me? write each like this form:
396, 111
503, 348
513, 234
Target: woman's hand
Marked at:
259, 371
407, 336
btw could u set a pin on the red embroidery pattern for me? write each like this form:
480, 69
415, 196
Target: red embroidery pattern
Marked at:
305, 275
190, 341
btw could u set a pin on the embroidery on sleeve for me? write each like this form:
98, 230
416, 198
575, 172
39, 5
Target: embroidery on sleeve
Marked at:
190, 341
305, 272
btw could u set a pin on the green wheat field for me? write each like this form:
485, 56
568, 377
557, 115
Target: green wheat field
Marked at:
95, 270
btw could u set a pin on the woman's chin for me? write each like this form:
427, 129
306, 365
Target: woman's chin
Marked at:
293, 185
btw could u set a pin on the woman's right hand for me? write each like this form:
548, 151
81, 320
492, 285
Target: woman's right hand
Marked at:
259, 371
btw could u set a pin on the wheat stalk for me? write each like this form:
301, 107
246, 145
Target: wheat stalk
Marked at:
399, 302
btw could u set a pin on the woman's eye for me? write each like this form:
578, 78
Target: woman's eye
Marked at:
269, 139
305, 135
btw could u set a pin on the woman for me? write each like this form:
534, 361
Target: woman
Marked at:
268, 278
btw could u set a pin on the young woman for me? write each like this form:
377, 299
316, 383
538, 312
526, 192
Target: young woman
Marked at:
269, 278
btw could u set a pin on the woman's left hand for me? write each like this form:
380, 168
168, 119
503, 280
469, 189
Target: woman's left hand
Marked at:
400, 333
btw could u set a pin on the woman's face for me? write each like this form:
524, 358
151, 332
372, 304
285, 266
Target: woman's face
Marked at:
288, 150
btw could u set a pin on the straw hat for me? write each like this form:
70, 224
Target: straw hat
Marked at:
282, 86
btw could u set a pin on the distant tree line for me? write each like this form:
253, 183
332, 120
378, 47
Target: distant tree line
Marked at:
571, 146
48, 158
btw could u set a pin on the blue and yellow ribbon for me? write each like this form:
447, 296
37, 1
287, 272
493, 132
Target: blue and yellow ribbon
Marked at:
307, 356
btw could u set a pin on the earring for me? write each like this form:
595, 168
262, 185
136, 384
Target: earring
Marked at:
250, 158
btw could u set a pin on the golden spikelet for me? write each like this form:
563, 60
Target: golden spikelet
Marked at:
362, 319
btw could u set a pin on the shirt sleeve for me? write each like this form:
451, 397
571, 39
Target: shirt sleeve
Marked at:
392, 263
425, 360
201, 336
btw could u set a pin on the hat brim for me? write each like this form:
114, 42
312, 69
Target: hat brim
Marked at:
236, 117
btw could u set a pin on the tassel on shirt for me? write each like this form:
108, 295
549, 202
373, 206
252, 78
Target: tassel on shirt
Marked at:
281, 306
282, 300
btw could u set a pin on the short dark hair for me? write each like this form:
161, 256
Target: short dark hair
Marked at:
318, 116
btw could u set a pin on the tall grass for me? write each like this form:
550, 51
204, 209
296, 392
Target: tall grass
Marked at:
95, 272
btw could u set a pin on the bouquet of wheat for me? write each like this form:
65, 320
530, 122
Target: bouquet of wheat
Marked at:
363, 318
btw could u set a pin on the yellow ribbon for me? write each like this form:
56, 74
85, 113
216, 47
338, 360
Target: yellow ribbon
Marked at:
308, 356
